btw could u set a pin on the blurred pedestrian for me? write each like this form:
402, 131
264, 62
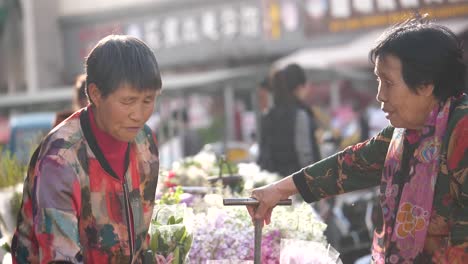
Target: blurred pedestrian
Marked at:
287, 141
191, 140
79, 99
264, 96
420, 161
90, 188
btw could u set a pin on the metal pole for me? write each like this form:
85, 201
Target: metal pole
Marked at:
258, 223
30, 55
229, 110
258, 242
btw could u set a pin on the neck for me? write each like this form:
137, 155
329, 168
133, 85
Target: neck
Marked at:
427, 111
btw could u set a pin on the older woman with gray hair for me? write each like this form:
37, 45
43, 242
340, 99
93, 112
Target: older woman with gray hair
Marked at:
420, 161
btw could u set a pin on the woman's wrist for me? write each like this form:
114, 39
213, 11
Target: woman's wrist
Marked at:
285, 187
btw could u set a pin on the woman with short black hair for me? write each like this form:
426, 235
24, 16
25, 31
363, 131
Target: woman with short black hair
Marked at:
90, 189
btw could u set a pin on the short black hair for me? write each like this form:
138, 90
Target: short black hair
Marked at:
80, 87
282, 95
120, 59
294, 76
429, 54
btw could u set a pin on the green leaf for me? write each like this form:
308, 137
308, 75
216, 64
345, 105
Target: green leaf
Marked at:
154, 242
188, 243
171, 220
176, 256
6, 247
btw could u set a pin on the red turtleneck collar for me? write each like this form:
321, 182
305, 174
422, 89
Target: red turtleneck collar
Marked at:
113, 149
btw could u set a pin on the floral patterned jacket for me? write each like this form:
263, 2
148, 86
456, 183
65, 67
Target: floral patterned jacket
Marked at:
75, 209
360, 166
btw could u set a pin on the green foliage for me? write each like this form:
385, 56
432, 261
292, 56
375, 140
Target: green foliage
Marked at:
15, 203
171, 238
172, 196
6, 247
214, 132
11, 170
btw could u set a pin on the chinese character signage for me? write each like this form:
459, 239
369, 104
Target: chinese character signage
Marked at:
334, 16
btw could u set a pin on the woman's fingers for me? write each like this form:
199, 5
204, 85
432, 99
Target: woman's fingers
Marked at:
267, 200
251, 210
268, 216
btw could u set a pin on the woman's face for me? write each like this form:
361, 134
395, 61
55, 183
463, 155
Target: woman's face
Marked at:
123, 113
403, 107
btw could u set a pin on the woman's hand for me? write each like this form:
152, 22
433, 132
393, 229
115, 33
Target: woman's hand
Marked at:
268, 196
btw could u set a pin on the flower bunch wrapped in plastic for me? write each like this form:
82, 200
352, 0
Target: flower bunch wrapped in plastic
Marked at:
170, 237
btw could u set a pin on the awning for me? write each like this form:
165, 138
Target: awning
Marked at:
353, 54
240, 77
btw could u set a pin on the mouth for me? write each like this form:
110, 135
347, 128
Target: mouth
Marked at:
133, 129
387, 112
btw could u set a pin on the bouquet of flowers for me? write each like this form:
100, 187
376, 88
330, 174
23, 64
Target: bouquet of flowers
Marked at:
170, 239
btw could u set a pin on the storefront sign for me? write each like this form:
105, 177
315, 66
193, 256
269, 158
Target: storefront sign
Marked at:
350, 15
195, 34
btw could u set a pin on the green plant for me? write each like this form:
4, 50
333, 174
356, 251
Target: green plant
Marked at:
214, 132
172, 196
12, 171
15, 203
171, 241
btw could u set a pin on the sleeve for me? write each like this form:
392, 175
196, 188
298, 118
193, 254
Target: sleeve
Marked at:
356, 167
302, 139
457, 162
56, 207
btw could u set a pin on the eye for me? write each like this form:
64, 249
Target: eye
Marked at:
127, 101
149, 100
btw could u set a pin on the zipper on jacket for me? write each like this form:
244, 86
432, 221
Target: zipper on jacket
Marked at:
128, 214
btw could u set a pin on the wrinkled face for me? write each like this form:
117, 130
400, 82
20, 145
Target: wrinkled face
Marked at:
123, 113
403, 107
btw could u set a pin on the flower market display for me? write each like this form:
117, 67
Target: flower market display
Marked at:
202, 230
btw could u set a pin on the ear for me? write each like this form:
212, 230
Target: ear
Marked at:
426, 89
94, 94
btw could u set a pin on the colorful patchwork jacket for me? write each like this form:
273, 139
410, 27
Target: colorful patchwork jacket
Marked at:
360, 166
75, 209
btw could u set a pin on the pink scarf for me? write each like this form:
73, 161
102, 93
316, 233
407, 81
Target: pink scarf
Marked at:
406, 223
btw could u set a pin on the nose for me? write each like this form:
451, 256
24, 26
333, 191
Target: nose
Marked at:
380, 97
137, 113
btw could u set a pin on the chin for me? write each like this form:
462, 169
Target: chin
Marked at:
396, 124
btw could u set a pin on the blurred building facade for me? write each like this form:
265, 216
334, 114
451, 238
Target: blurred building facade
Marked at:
202, 45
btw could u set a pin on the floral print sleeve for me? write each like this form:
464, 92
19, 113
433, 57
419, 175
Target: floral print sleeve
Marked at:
56, 210
357, 167
52, 199
457, 165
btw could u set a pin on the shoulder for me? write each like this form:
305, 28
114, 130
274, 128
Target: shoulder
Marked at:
146, 139
63, 139
458, 120
301, 113
459, 111
456, 139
